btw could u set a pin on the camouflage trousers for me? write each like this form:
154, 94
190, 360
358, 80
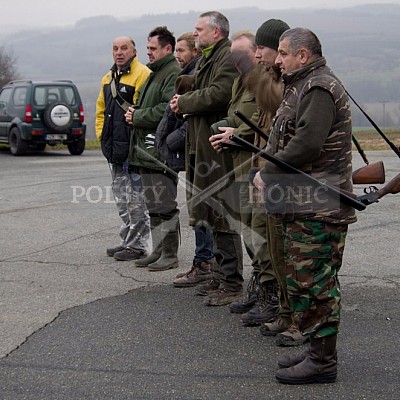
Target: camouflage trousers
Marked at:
313, 254
128, 196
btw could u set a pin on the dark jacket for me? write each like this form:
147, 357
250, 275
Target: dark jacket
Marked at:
206, 104
171, 132
111, 129
153, 99
312, 132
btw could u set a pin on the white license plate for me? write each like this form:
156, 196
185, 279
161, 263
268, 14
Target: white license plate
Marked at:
56, 137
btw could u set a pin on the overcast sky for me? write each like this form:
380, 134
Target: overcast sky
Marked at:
48, 13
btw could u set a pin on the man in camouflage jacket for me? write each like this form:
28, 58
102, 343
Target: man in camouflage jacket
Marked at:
312, 132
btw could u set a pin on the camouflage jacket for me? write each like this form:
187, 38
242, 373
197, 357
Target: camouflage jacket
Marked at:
311, 131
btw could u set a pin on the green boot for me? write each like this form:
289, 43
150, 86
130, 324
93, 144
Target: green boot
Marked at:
156, 236
170, 244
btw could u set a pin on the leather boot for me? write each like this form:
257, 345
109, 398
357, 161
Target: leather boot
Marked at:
266, 306
249, 299
156, 236
292, 360
169, 248
319, 366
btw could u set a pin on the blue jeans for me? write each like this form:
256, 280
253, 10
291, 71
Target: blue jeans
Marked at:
204, 245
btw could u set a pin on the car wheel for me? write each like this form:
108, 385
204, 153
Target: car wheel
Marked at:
76, 148
58, 116
18, 146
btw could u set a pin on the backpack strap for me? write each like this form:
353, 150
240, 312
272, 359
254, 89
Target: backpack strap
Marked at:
117, 97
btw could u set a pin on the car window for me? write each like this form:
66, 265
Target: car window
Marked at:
5, 96
19, 96
44, 95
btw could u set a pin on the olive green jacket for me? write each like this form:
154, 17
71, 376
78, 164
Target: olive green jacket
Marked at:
153, 98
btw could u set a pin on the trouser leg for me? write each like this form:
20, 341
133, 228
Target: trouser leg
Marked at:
134, 231
229, 260
313, 254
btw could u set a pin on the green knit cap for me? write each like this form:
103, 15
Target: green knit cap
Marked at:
269, 32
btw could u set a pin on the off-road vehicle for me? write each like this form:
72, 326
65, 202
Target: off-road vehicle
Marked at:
37, 113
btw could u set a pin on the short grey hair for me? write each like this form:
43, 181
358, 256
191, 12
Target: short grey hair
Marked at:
218, 20
302, 38
246, 34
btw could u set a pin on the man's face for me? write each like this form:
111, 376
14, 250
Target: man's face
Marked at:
243, 53
183, 53
123, 51
154, 50
204, 33
266, 55
287, 62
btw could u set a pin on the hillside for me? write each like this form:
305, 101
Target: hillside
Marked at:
360, 43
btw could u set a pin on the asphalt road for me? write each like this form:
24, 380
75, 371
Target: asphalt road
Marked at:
75, 324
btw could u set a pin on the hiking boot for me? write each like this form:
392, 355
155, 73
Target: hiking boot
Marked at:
275, 327
199, 273
222, 297
207, 288
266, 307
249, 299
129, 254
291, 337
112, 250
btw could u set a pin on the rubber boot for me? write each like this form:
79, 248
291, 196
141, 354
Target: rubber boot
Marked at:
156, 236
170, 244
319, 366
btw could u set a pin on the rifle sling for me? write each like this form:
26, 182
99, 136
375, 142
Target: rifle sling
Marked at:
391, 144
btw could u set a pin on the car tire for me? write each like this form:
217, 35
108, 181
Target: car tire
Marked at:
18, 146
58, 116
76, 148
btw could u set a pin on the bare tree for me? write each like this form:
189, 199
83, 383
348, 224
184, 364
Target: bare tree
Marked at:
8, 69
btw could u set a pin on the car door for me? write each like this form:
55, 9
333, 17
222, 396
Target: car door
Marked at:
5, 118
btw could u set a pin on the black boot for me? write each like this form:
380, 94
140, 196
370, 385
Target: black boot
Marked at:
156, 237
249, 299
319, 366
169, 248
266, 307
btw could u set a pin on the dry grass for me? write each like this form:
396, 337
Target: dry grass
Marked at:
372, 140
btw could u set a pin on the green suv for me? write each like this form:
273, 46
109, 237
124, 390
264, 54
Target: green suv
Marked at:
36, 114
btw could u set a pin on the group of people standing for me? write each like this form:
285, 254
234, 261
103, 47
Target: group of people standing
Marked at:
178, 113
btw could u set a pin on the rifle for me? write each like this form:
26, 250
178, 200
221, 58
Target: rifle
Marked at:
373, 194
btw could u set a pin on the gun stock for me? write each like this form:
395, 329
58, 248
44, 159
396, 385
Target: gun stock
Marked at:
370, 174
374, 194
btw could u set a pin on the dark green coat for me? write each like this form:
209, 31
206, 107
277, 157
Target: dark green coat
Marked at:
153, 98
210, 174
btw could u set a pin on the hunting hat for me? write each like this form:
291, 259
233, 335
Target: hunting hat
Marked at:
184, 83
269, 32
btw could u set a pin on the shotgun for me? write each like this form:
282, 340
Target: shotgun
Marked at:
345, 197
373, 194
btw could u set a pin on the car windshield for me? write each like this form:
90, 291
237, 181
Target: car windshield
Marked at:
45, 95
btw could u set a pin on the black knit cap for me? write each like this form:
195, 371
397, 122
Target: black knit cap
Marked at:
269, 32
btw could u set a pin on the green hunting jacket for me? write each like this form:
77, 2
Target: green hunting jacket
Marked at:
211, 175
153, 98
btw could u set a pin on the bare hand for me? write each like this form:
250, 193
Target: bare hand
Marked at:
174, 104
217, 141
258, 182
129, 115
